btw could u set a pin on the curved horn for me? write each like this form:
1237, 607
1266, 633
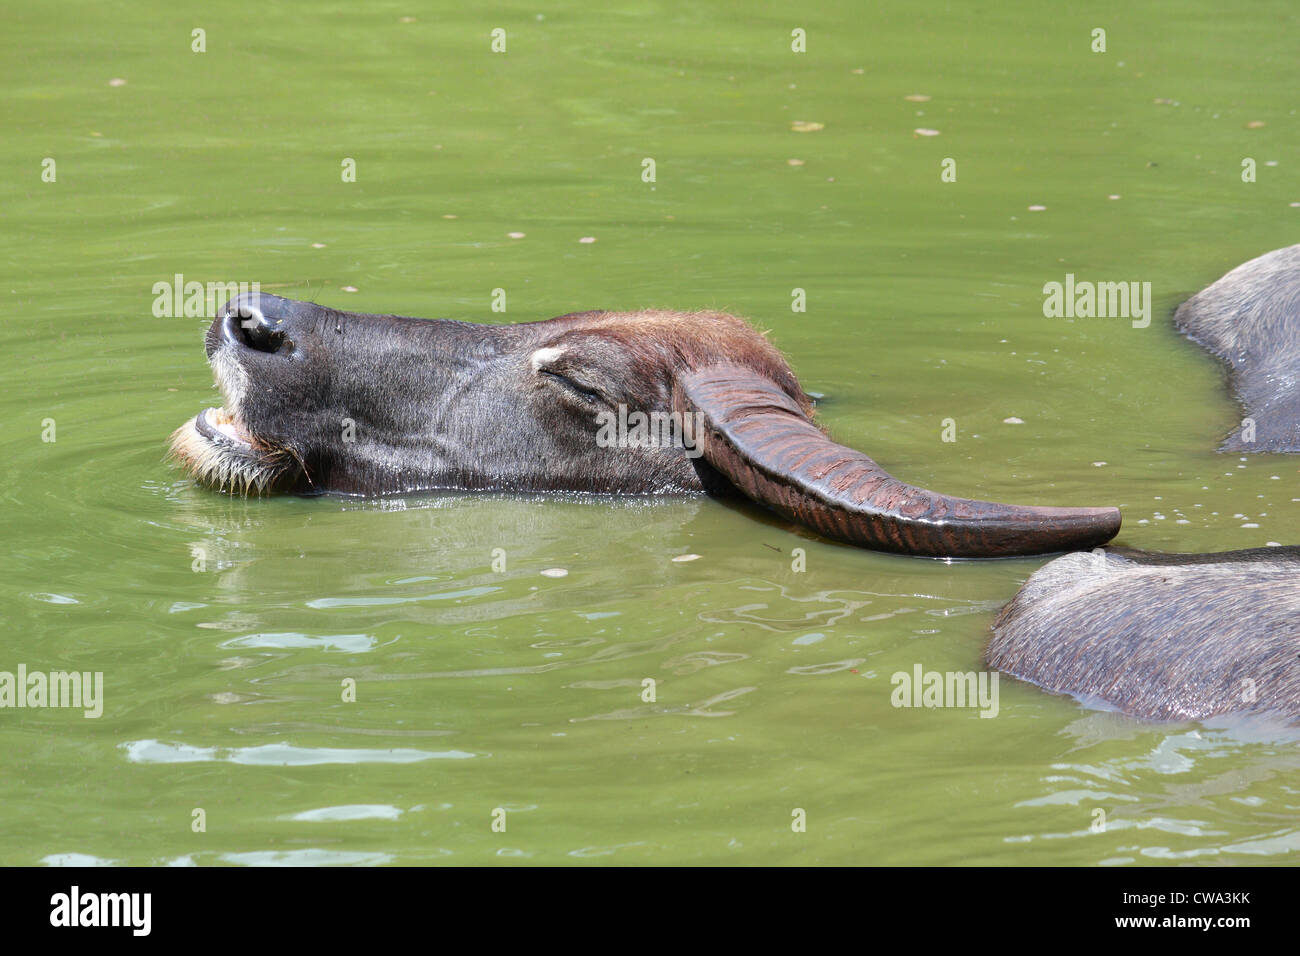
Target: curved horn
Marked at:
764, 443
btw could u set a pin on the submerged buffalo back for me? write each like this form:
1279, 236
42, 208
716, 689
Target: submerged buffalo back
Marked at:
1161, 637
1250, 319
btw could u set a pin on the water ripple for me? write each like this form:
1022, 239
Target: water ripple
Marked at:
278, 755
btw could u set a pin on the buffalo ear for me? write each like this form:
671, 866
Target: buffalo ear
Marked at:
759, 437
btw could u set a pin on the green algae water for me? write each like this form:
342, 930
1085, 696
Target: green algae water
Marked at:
343, 681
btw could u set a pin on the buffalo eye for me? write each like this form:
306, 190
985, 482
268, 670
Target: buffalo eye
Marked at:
582, 392
544, 362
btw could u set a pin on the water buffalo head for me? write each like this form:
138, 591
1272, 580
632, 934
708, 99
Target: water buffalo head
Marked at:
318, 400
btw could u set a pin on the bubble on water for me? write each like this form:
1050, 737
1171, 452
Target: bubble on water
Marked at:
555, 573
587, 240
1250, 524
348, 812
1038, 209
515, 235
686, 557
1013, 421
50, 598
922, 131
911, 97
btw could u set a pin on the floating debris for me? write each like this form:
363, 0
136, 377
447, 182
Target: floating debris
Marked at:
805, 126
917, 98
515, 235
1013, 421
686, 557
588, 240
922, 131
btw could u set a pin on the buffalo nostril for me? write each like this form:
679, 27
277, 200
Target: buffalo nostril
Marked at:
257, 331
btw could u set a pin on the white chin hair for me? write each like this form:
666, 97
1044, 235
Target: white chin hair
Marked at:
222, 468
